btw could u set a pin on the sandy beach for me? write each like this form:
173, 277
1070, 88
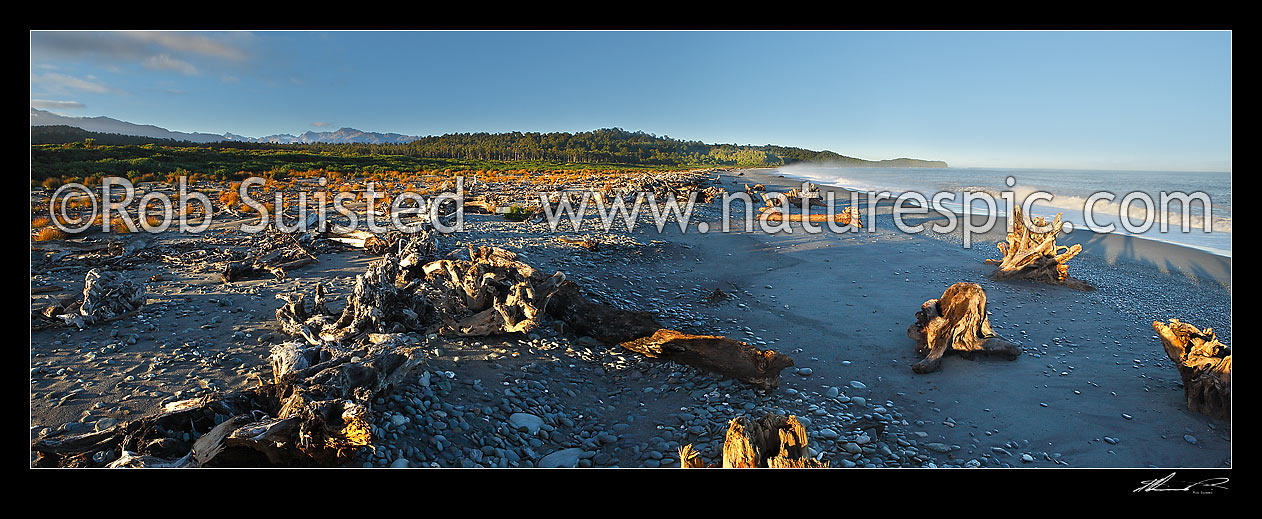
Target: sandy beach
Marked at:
1093, 367
1092, 389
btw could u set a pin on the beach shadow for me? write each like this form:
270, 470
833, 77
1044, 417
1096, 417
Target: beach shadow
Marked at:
1199, 266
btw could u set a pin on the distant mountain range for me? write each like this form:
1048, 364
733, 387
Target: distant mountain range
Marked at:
109, 125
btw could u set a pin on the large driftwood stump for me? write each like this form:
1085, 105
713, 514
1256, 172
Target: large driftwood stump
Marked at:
316, 411
1204, 364
772, 441
956, 322
1034, 255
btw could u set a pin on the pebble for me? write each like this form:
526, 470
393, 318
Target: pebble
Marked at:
525, 421
565, 458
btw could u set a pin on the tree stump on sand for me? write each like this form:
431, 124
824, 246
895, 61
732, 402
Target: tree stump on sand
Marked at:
770, 442
956, 322
1033, 255
1204, 364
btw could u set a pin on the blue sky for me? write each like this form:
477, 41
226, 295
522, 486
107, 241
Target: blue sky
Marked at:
1079, 100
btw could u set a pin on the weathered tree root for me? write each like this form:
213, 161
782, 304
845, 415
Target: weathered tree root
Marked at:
1035, 255
1204, 365
316, 411
772, 441
107, 296
490, 293
809, 196
956, 322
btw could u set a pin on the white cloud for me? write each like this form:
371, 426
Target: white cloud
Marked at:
189, 42
135, 45
60, 82
55, 105
321, 124
166, 62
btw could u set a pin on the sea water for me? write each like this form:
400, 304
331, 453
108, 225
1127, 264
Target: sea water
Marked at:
1070, 190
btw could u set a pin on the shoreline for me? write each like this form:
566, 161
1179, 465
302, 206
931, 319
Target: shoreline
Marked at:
1112, 245
1206, 249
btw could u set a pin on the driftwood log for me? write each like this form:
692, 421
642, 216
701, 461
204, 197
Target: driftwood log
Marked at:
275, 254
845, 217
316, 411
586, 243
1204, 365
370, 242
956, 322
1032, 255
602, 322
772, 441
639, 332
479, 205
727, 357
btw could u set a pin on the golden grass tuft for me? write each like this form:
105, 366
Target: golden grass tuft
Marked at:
49, 233
230, 196
118, 225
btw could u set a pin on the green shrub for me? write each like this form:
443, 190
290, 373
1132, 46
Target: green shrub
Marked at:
518, 213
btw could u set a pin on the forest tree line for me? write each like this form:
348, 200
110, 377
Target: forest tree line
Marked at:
62, 151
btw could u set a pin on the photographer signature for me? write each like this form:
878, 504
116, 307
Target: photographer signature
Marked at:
1201, 487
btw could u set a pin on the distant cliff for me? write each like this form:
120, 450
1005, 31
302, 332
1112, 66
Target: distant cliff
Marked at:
911, 163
